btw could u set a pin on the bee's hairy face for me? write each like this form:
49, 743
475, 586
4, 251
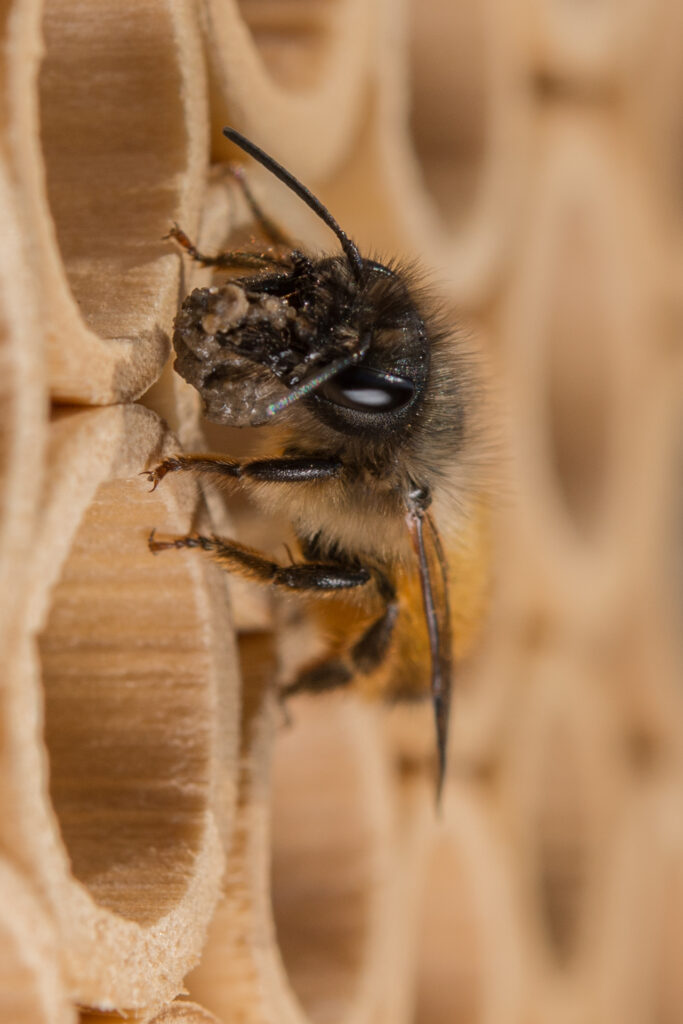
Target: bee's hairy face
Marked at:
380, 394
362, 344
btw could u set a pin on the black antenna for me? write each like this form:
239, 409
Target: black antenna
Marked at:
349, 247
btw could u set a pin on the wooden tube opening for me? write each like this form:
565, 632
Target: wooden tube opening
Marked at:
578, 329
123, 137
127, 712
292, 38
123, 723
469, 949
448, 968
329, 814
278, 71
450, 112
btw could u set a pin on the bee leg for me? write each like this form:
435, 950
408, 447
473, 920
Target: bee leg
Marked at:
284, 470
236, 258
327, 674
369, 652
270, 229
252, 565
366, 655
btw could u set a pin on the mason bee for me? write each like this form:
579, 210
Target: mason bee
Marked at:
370, 405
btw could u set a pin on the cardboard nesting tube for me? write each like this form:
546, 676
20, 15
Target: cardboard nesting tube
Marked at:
31, 989
291, 76
446, 184
118, 138
121, 722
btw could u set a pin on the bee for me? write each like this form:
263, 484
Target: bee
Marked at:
371, 406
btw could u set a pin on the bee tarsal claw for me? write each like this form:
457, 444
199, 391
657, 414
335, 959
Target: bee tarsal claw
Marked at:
156, 475
149, 473
172, 233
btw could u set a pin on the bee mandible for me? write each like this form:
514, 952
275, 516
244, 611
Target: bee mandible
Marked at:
371, 406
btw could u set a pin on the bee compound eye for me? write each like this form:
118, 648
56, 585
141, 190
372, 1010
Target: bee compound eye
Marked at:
366, 390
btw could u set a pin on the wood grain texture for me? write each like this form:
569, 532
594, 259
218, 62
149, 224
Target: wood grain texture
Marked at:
120, 734
278, 69
114, 142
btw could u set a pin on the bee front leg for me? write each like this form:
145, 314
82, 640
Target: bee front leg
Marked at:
281, 470
231, 259
270, 229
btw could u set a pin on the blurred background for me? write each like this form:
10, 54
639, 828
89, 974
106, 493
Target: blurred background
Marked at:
530, 155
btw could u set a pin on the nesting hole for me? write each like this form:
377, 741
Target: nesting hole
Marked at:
578, 388
127, 714
449, 979
324, 856
561, 849
449, 116
114, 143
292, 37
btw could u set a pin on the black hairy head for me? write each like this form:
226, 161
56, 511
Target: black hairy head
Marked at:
349, 350
378, 394
354, 348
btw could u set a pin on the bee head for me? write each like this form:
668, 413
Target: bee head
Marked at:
380, 393
342, 336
